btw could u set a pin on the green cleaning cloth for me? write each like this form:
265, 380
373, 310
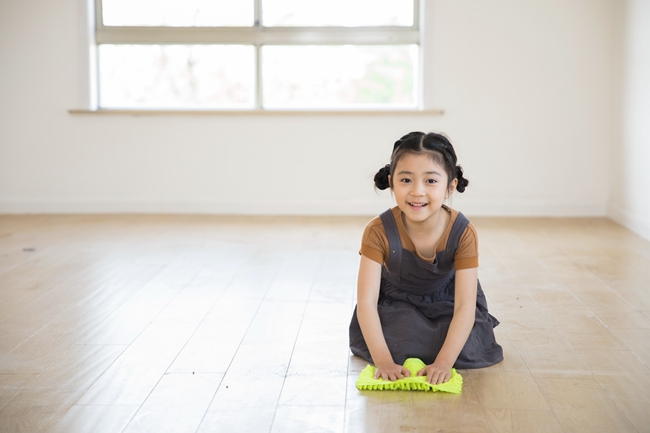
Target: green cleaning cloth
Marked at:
367, 381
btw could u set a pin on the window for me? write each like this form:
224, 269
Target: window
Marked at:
257, 54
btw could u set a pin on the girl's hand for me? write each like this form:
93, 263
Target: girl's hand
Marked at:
436, 373
391, 372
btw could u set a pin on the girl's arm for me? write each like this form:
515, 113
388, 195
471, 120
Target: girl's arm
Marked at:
461, 325
367, 297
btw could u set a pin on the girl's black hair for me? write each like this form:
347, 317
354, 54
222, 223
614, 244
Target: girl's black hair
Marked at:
436, 145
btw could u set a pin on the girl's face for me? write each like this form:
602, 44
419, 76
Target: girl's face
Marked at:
420, 186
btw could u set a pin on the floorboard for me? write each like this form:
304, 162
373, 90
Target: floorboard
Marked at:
161, 323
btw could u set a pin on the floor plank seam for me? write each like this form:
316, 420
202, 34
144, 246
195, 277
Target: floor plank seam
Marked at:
270, 282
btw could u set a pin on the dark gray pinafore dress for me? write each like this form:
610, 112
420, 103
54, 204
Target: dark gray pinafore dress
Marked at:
416, 304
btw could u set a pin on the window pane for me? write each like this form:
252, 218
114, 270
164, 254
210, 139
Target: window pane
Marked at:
177, 13
339, 76
176, 76
347, 13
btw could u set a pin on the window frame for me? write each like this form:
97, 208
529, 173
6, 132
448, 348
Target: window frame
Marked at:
258, 35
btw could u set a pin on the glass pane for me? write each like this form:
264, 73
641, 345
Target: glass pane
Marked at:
339, 76
176, 76
357, 13
178, 13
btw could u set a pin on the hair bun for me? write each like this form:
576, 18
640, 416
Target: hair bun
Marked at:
381, 178
462, 182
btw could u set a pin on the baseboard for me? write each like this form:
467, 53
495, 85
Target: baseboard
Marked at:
528, 208
508, 208
259, 207
630, 220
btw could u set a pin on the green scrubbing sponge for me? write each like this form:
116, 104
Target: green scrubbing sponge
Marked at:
367, 381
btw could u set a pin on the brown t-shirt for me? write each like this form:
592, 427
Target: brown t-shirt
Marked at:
374, 243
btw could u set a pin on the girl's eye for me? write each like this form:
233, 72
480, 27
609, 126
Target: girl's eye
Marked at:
405, 180
431, 181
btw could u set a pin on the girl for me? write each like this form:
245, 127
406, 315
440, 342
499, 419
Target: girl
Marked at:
418, 294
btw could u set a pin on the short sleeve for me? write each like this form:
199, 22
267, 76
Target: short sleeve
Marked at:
374, 242
466, 256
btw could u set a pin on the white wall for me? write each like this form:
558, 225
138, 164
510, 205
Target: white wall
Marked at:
527, 88
630, 154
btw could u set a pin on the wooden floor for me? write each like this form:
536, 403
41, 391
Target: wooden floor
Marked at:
239, 324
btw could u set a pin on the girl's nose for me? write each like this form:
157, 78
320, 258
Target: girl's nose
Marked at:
418, 189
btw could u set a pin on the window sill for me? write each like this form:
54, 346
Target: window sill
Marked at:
307, 112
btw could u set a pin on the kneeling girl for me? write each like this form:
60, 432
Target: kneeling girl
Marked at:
418, 293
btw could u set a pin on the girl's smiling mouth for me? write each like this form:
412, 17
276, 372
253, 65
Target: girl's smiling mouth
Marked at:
418, 205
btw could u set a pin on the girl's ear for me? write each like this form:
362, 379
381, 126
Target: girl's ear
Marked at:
390, 181
452, 187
